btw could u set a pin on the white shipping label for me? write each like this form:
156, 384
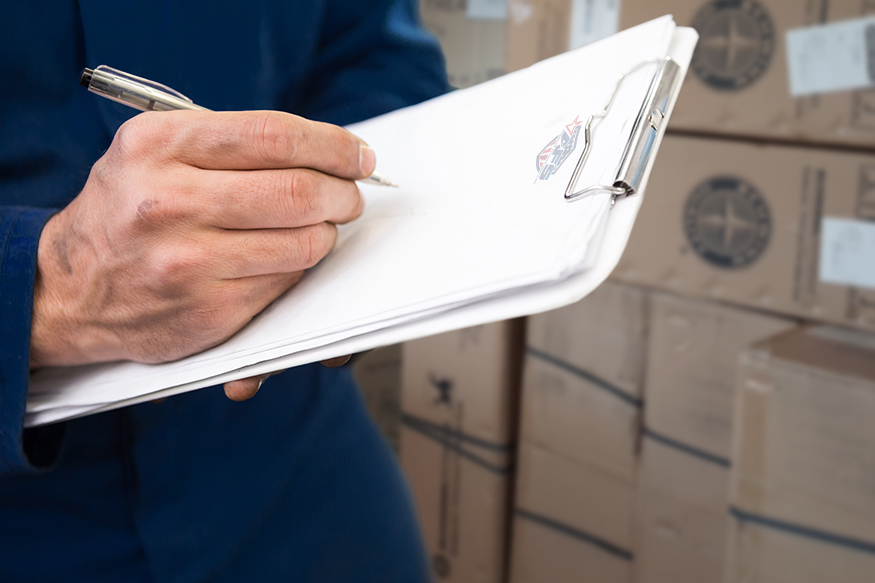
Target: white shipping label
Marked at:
487, 10
847, 252
593, 20
831, 57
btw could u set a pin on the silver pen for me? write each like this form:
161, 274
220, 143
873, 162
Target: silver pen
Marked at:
147, 95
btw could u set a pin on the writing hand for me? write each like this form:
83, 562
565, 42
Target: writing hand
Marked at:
189, 225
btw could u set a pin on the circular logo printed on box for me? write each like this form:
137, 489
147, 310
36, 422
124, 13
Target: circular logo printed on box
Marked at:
727, 221
736, 43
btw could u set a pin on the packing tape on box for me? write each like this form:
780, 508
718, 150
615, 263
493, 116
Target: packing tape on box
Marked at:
454, 440
586, 375
575, 533
803, 531
687, 449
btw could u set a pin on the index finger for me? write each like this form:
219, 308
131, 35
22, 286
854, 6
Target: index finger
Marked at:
256, 140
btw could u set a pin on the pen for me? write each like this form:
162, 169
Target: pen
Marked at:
147, 95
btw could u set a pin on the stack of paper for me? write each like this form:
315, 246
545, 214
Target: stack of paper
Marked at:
479, 230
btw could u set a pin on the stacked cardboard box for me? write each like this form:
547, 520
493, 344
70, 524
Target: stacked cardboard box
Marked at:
684, 477
775, 228
459, 396
753, 222
738, 81
538, 29
743, 223
581, 410
803, 475
774, 224
474, 48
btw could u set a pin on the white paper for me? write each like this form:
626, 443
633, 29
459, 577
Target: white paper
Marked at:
832, 57
847, 252
471, 224
487, 10
593, 20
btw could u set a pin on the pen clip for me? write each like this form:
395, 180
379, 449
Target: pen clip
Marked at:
134, 91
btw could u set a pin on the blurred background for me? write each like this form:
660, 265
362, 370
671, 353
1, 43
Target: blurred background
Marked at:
708, 415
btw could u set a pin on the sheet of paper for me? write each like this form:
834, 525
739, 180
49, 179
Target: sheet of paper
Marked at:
471, 221
831, 57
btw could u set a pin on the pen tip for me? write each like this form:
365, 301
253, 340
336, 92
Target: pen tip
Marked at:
379, 179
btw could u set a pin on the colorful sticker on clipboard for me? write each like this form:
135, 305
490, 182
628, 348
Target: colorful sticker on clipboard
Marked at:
560, 148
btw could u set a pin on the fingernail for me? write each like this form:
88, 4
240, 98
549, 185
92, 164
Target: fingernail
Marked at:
367, 161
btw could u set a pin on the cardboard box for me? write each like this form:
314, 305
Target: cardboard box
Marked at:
738, 81
803, 478
459, 400
546, 551
683, 485
691, 364
580, 423
604, 334
378, 374
539, 29
680, 515
764, 555
474, 49
742, 223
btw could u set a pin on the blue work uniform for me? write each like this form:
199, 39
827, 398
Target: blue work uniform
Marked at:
293, 485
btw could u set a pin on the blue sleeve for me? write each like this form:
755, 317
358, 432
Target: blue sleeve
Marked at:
374, 57
20, 229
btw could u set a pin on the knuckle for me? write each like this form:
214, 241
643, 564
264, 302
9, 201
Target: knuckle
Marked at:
137, 136
276, 137
165, 201
150, 212
312, 246
128, 138
175, 266
304, 195
102, 172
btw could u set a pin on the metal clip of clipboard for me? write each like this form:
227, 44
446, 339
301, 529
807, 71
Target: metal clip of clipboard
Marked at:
638, 149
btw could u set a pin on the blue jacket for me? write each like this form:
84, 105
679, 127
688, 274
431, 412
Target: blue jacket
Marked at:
295, 484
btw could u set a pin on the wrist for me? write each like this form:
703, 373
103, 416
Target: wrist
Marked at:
59, 337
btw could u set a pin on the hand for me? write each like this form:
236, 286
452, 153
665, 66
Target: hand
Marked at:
189, 225
244, 389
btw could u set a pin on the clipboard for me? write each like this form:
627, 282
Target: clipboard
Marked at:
58, 394
640, 146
